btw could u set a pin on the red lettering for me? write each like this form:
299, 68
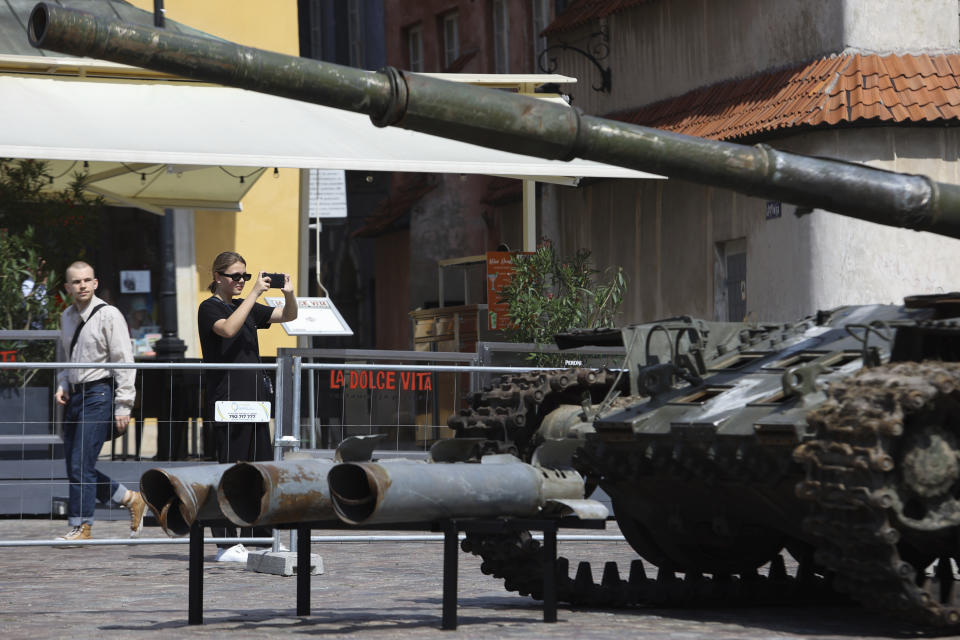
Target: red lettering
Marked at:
336, 379
425, 384
391, 380
354, 380
406, 377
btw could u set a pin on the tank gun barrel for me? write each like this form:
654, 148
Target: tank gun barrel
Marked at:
510, 122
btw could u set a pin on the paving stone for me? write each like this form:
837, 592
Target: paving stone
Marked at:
368, 590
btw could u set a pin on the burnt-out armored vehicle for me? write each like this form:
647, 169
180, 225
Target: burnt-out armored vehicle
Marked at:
721, 444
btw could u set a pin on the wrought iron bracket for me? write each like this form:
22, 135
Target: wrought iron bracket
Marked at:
597, 49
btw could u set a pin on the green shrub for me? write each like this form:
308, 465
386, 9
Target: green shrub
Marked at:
548, 295
42, 231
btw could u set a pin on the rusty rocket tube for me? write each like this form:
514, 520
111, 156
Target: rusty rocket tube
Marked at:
396, 491
269, 493
180, 496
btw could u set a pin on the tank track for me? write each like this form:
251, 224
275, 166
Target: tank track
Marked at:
512, 409
509, 411
883, 477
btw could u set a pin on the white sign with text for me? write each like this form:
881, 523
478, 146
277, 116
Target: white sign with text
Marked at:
328, 193
242, 411
315, 317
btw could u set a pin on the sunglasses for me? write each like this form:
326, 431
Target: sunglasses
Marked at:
236, 277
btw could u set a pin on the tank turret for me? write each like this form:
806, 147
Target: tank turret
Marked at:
723, 446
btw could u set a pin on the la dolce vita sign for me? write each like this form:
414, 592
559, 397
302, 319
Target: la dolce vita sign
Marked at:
383, 380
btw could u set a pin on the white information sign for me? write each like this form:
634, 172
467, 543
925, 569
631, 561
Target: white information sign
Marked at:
328, 193
242, 411
135, 281
315, 317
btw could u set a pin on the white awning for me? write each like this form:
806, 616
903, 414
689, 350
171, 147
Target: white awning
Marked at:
180, 144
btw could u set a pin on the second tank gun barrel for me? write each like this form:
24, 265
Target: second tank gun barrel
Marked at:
510, 122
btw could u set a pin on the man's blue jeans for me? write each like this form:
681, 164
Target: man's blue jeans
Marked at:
87, 423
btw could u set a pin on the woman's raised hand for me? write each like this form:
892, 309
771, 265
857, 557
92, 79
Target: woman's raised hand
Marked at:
262, 283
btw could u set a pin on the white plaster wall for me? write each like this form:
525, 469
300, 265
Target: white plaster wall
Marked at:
901, 26
855, 262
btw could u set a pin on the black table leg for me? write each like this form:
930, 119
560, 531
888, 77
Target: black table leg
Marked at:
303, 570
195, 596
550, 573
450, 557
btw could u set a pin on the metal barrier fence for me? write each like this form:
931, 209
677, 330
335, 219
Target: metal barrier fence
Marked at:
321, 397
167, 426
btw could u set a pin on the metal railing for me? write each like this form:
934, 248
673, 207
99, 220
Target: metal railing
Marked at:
294, 372
438, 381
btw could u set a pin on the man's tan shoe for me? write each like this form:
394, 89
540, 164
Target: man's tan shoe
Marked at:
138, 507
81, 532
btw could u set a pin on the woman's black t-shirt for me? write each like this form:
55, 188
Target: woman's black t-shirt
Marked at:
245, 384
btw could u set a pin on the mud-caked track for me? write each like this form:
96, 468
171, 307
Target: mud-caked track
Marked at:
883, 478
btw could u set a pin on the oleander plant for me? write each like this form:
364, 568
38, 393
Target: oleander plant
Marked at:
550, 294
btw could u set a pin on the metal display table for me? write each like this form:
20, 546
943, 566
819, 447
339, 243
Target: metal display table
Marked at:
450, 529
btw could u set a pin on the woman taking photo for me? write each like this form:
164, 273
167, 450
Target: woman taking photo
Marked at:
228, 328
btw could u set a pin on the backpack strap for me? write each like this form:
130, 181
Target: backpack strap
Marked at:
76, 334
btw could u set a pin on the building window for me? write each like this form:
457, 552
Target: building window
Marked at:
451, 38
355, 32
541, 19
415, 48
501, 36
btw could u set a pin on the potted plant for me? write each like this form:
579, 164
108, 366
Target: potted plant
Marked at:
549, 294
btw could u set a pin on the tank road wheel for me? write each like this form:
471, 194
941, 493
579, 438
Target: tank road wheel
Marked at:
884, 478
712, 552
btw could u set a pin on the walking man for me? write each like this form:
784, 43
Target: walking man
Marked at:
93, 331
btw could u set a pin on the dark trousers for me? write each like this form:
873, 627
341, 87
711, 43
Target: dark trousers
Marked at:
242, 442
87, 423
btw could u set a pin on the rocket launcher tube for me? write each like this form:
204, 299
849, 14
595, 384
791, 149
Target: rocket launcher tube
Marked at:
270, 493
180, 496
396, 491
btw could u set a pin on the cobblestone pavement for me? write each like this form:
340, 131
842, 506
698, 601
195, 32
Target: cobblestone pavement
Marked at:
369, 590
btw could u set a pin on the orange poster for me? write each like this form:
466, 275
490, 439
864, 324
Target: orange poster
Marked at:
499, 274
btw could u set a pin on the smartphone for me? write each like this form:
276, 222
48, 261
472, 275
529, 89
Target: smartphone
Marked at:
276, 280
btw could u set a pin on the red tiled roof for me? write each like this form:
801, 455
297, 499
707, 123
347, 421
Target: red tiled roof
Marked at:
581, 11
843, 88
